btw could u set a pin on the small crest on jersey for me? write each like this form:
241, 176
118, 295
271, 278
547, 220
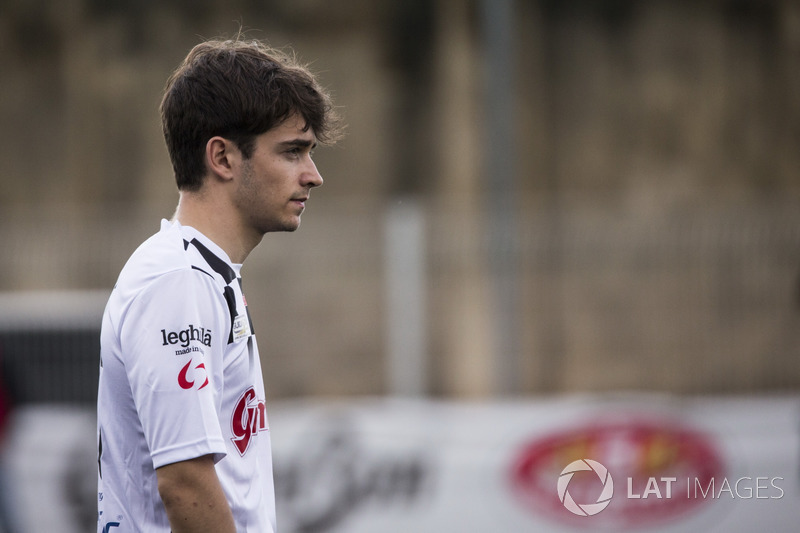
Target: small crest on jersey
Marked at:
241, 327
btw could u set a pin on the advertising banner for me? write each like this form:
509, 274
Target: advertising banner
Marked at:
621, 463
626, 463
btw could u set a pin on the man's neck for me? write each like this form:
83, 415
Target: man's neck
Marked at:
218, 222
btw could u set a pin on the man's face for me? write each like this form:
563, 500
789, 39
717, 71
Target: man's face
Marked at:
276, 181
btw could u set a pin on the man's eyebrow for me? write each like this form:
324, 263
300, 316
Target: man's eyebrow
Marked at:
300, 143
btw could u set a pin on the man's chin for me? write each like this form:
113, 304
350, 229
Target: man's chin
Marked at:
286, 227
294, 225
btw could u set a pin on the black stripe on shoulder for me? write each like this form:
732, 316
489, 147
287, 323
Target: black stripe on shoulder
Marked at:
230, 299
203, 271
217, 265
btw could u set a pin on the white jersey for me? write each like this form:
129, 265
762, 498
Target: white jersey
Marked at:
180, 377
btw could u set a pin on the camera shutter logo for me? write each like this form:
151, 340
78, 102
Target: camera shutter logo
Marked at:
585, 509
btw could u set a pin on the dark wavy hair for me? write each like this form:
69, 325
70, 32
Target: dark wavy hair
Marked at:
238, 90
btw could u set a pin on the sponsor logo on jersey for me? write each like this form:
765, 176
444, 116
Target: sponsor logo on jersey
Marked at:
199, 370
109, 525
249, 417
186, 336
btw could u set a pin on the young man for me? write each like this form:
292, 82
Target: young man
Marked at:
183, 434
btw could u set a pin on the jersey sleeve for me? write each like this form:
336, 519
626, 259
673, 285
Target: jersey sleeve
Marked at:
172, 340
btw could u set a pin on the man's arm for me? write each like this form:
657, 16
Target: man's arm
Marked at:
194, 498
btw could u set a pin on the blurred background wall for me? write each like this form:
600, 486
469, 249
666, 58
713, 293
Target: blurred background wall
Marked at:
630, 223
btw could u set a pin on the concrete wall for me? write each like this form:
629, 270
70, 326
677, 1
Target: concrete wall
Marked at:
656, 184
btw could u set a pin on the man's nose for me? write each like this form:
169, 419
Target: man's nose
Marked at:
312, 177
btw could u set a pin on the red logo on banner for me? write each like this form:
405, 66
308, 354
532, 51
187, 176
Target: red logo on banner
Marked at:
657, 469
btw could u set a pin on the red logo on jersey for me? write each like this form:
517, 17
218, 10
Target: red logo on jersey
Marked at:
249, 417
183, 379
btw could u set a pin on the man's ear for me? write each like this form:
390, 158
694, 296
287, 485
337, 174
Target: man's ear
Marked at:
222, 157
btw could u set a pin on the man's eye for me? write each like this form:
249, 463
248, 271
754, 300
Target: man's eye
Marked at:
299, 152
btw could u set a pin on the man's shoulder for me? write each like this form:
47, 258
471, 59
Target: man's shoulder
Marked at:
161, 254
167, 263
